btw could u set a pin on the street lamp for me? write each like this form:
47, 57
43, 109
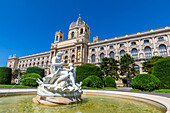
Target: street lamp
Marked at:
18, 81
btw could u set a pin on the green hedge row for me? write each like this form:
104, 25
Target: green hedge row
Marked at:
86, 70
37, 70
161, 70
5, 75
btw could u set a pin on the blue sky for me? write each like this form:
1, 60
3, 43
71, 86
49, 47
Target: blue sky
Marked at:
28, 26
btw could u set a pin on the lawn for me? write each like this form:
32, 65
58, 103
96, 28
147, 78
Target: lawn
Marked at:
156, 91
15, 86
22, 86
85, 87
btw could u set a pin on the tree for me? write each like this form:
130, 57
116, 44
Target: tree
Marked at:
110, 67
148, 65
37, 70
127, 68
16, 73
86, 70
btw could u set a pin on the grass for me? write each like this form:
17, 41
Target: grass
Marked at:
85, 87
22, 86
157, 91
15, 86
162, 91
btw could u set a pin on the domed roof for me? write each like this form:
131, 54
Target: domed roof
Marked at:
77, 23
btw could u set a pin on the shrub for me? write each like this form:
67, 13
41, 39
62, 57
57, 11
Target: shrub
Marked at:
5, 75
93, 81
161, 70
37, 70
30, 79
86, 70
145, 82
109, 82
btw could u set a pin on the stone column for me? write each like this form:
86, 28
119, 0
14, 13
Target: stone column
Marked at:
106, 49
127, 46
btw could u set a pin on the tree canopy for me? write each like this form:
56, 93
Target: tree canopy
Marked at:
127, 67
148, 65
86, 70
110, 67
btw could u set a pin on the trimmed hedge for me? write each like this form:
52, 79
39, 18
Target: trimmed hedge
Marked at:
161, 70
5, 75
109, 82
37, 70
145, 82
93, 81
30, 79
86, 70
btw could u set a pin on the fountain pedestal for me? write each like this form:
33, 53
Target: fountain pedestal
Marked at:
59, 87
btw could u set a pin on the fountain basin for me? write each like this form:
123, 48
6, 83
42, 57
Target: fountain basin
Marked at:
159, 101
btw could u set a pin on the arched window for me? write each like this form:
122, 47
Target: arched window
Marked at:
66, 59
162, 50
19, 66
122, 52
134, 53
72, 35
148, 52
56, 38
93, 50
81, 31
38, 64
73, 58
42, 64
30, 65
9, 65
34, 64
23, 66
101, 56
111, 54
136, 67
26, 65
93, 58
61, 39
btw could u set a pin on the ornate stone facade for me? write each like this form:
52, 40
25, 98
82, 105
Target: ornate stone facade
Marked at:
79, 49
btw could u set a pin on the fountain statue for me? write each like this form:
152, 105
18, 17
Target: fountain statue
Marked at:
59, 86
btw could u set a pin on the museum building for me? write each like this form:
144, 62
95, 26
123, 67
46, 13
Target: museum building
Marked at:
79, 49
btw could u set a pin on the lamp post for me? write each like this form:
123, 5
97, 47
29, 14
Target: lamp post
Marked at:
18, 81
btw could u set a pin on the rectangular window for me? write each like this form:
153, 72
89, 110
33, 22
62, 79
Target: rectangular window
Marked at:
111, 47
121, 45
160, 38
133, 43
146, 41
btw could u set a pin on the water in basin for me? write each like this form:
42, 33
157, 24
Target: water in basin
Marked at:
90, 104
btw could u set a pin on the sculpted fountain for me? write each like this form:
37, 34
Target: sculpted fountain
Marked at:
59, 87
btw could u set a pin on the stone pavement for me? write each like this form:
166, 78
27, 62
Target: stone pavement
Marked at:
127, 89
122, 89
